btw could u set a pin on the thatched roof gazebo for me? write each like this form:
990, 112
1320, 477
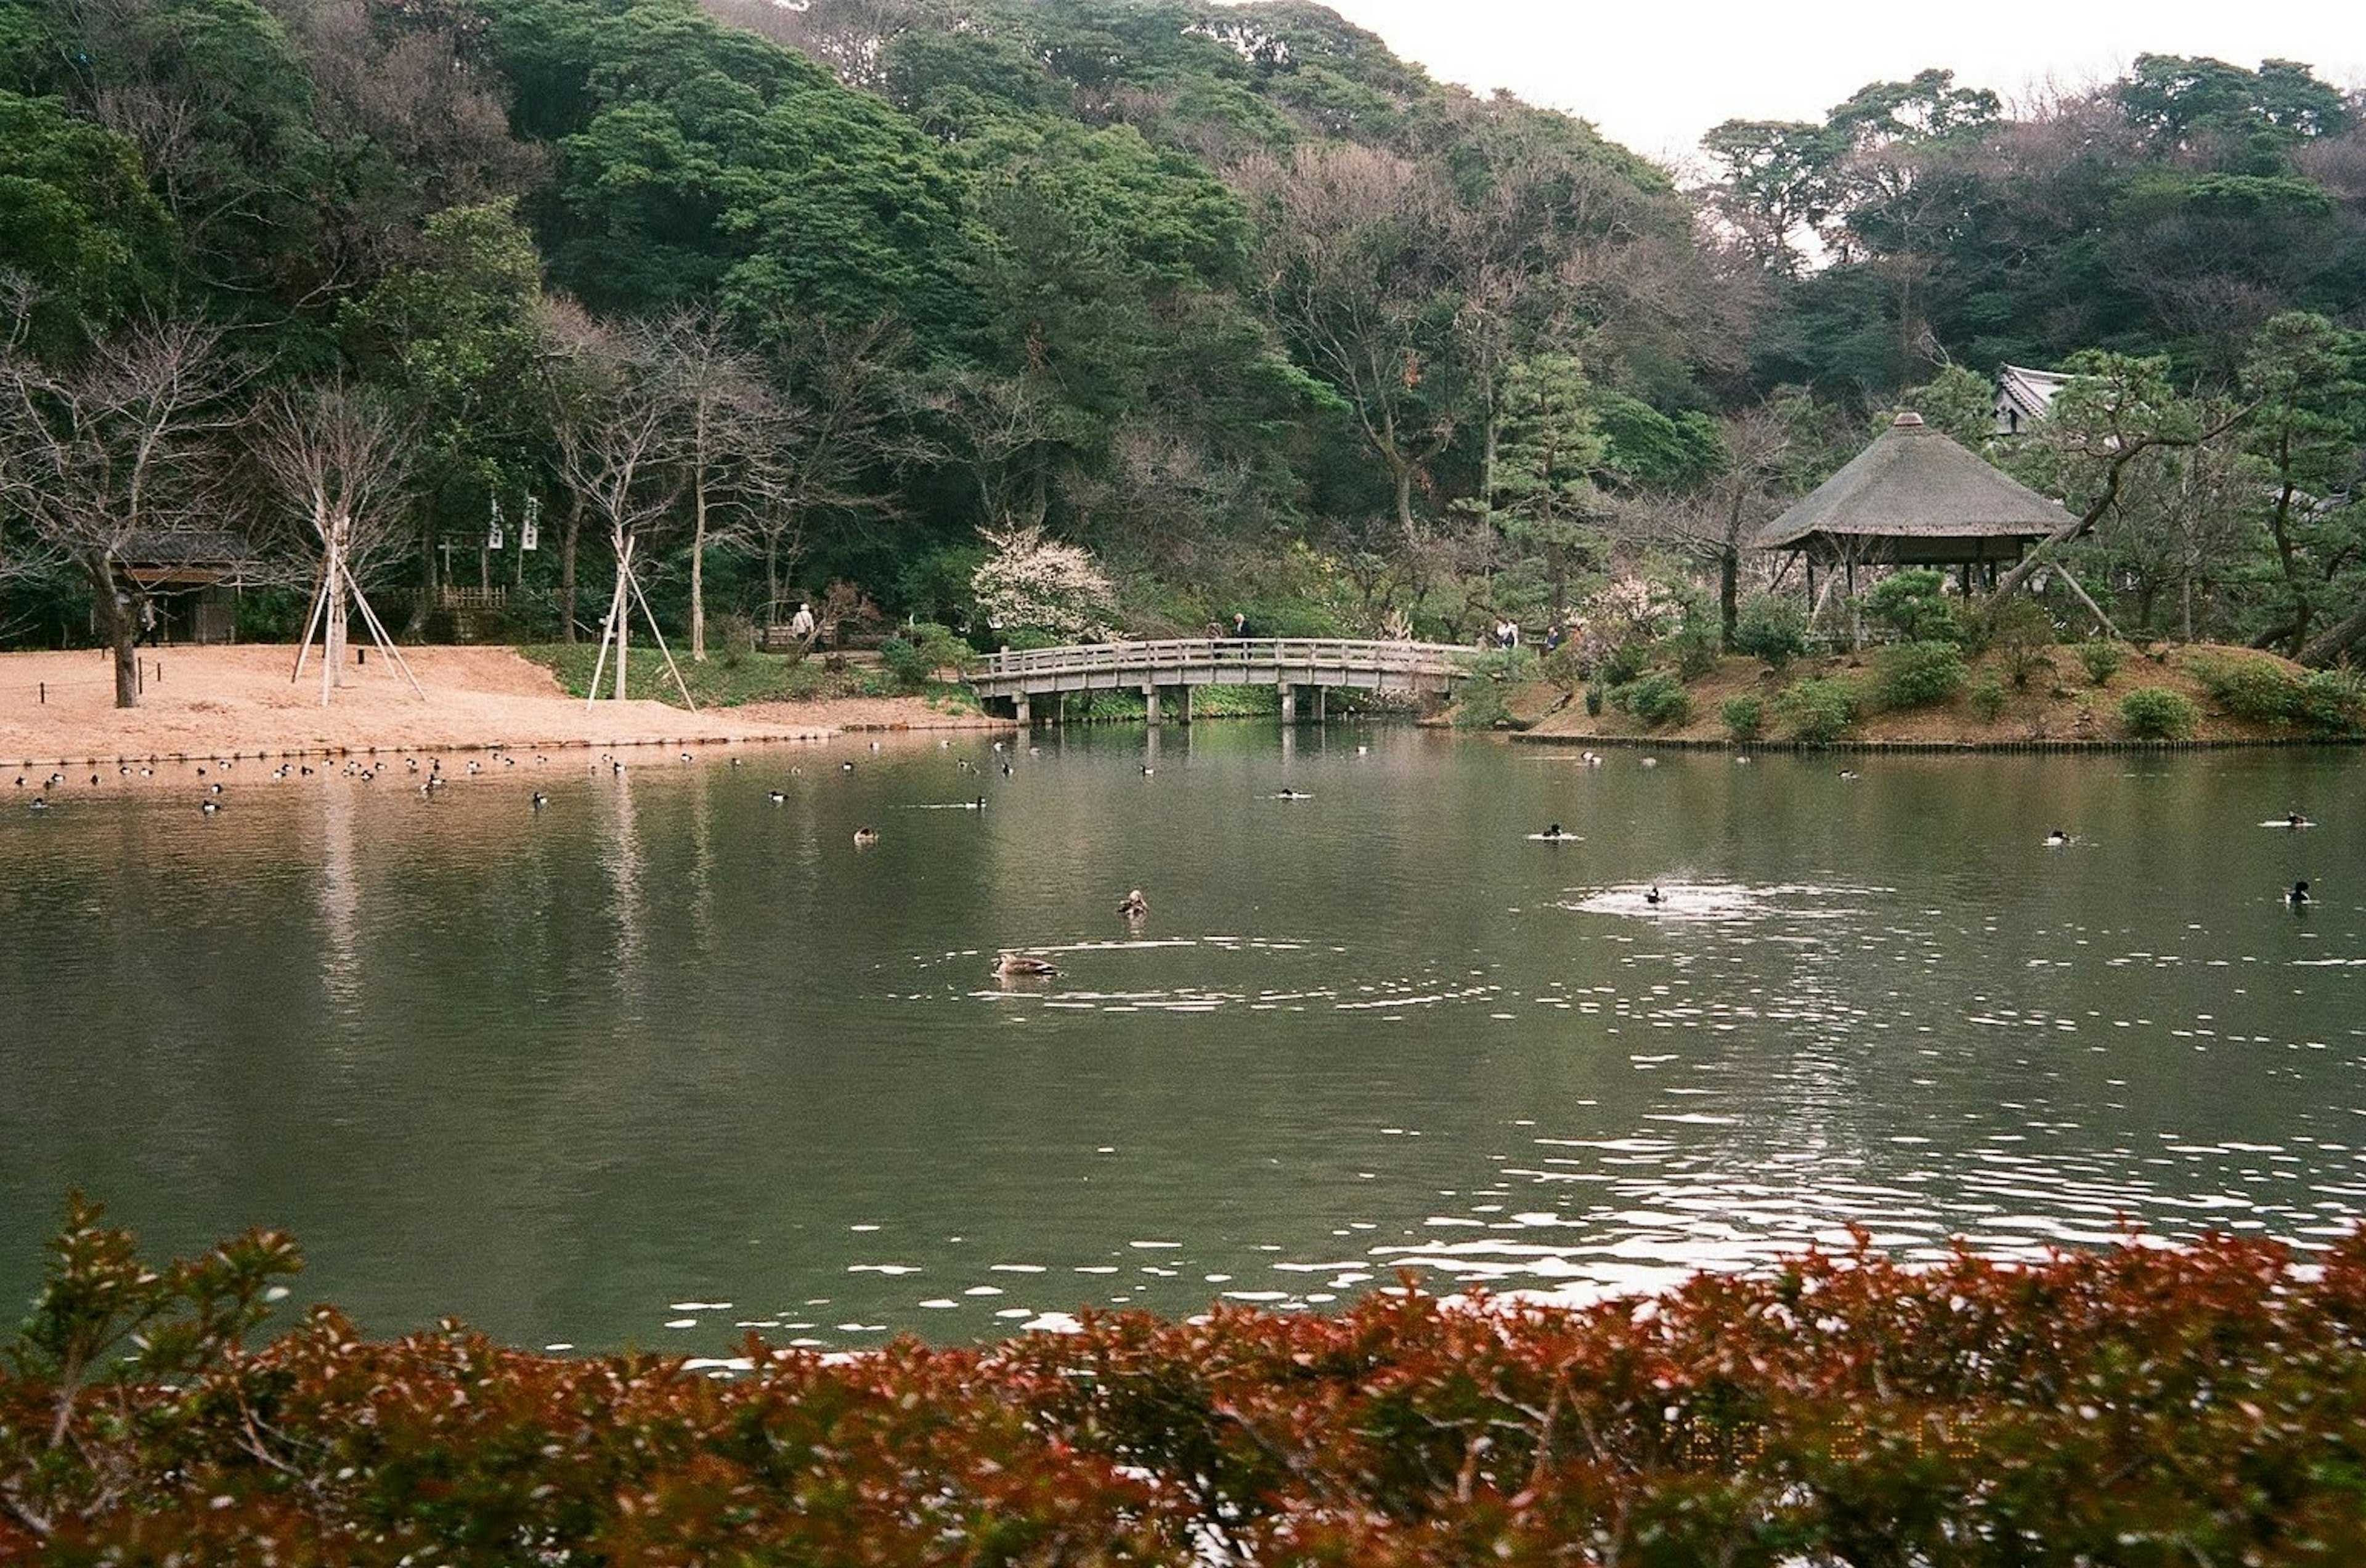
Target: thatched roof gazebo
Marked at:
1914, 497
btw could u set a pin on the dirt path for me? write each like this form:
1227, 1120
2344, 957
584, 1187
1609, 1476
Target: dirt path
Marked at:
58, 709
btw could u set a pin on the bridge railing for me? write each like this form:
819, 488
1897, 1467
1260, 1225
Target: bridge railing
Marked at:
1190, 653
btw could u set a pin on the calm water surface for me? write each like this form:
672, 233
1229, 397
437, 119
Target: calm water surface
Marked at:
669, 1058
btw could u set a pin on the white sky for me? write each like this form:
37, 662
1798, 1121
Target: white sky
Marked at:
1654, 74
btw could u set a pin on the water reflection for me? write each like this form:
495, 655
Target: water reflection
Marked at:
674, 1056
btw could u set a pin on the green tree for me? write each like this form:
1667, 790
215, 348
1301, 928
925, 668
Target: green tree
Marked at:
2307, 379
456, 337
79, 230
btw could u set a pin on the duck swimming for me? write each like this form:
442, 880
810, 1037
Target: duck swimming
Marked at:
2057, 838
1134, 905
1019, 966
1655, 897
2297, 894
1553, 832
866, 837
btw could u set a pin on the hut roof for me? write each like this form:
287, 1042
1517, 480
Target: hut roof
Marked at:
1913, 483
2023, 395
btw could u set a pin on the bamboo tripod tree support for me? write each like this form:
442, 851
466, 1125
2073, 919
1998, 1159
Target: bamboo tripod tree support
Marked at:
615, 628
328, 618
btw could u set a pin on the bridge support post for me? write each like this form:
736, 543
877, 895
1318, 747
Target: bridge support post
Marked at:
1019, 709
1321, 703
1289, 701
1183, 704
1150, 703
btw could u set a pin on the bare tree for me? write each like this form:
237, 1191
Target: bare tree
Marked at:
1353, 257
339, 465
724, 419
837, 390
615, 456
114, 460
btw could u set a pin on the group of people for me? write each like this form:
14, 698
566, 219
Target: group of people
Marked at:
1505, 633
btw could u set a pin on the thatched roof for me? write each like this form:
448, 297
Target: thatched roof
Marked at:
1914, 495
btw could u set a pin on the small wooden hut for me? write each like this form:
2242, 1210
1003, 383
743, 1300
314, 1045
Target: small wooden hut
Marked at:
1914, 497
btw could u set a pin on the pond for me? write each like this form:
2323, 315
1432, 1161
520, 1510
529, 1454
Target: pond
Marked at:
671, 1056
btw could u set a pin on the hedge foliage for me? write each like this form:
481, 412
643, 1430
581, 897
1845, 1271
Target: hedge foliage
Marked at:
2152, 713
2136, 1404
1917, 674
2265, 691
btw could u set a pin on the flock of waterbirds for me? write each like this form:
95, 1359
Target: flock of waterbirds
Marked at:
1009, 964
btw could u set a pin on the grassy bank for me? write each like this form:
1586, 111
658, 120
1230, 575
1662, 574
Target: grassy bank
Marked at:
1937, 694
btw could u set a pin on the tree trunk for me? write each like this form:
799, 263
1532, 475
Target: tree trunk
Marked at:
1728, 596
118, 627
698, 570
424, 602
2335, 640
570, 533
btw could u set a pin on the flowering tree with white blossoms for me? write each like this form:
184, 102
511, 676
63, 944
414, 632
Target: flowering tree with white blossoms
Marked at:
1624, 611
1039, 583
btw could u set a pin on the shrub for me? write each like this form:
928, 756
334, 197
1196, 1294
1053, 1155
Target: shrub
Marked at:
1595, 697
2259, 689
2324, 702
1482, 705
2152, 713
1969, 1412
1658, 698
2021, 635
1623, 661
1818, 712
1914, 604
1917, 674
1743, 716
2333, 702
1692, 650
2102, 659
1986, 695
1771, 629
904, 662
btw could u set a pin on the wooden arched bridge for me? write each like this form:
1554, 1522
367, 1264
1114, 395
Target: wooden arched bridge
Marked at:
1169, 671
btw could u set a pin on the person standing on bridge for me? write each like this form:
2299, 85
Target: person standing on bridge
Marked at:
1240, 625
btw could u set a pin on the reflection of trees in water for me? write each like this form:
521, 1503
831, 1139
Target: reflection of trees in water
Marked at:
621, 857
340, 896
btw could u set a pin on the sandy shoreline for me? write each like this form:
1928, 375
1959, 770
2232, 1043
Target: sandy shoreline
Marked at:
58, 709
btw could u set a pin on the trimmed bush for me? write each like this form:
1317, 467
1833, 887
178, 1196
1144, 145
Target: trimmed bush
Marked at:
1771, 628
1743, 716
1917, 674
2102, 659
1657, 699
2259, 689
1987, 696
2152, 713
1914, 604
1818, 712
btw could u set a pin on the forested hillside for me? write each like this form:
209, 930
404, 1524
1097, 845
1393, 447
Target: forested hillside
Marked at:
1261, 316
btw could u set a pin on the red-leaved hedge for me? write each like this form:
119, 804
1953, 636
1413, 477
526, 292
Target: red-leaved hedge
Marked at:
2197, 1404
